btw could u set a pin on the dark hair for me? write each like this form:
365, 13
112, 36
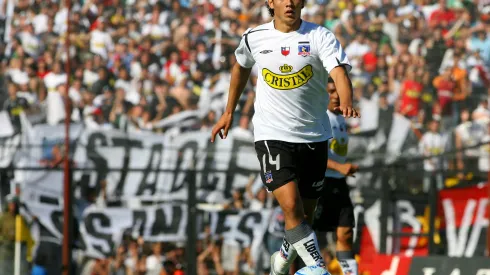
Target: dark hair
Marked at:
271, 11
330, 80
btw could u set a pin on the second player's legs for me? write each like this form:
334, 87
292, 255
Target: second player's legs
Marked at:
336, 213
344, 238
345, 255
309, 206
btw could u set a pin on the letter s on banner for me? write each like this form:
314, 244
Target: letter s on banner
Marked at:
252, 218
104, 244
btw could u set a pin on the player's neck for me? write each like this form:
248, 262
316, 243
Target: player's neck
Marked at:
284, 27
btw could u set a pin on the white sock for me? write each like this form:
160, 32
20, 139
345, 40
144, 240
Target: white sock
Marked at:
347, 262
287, 254
303, 238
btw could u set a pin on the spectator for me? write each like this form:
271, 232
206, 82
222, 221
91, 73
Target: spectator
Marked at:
116, 264
237, 201
7, 238
15, 105
445, 86
211, 257
484, 160
411, 90
432, 144
482, 112
155, 261
132, 261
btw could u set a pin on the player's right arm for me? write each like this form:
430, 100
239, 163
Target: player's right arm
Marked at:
239, 77
346, 169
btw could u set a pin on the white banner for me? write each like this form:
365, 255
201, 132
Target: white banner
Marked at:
158, 161
400, 129
102, 230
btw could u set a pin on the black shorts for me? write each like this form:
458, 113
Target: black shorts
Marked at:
282, 162
334, 208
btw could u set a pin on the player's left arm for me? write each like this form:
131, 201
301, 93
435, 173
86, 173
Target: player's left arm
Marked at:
337, 64
344, 89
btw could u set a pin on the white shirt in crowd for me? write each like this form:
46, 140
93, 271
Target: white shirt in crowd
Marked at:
471, 134
101, 43
18, 76
154, 265
369, 113
30, 43
60, 21
293, 72
481, 113
432, 144
131, 90
356, 50
157, 32
89, 77
484, 160
40, 23
52, 80
338, 145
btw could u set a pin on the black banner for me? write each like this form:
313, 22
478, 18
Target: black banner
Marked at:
440, 265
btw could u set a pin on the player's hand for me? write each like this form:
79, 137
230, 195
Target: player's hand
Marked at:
224, 123
348, 169
347, 111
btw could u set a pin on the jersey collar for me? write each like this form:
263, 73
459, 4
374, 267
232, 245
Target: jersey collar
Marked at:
301, 27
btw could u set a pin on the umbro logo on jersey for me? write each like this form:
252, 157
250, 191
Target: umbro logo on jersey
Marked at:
304, 48
266, 51
285, 51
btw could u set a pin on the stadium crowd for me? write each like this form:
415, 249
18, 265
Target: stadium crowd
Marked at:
138, 65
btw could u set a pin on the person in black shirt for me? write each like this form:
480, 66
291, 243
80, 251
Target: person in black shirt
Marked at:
15, 105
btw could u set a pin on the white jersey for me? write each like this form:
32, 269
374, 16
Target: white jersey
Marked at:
432, 144
338, 145
293, 70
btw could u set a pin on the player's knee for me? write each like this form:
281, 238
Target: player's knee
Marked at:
345, 235
292, 208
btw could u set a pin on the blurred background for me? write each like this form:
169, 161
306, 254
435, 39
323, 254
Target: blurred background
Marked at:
149, 78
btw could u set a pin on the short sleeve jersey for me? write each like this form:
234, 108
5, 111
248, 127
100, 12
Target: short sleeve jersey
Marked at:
293, 69
338, 144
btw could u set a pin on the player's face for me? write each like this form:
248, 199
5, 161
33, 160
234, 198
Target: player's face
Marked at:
288, 11
333, 95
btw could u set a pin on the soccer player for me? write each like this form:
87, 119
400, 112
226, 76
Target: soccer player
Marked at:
335, 212
291, 128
